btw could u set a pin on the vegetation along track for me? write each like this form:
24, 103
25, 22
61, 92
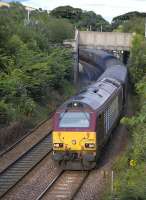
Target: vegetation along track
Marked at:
2, 153
14, 172
32, 131
64, 186
22, 146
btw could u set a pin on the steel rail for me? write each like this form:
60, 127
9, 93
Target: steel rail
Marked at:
75, 193
55, 181
50, 185
17, 170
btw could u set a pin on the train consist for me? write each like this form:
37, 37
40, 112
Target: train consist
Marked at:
83, 124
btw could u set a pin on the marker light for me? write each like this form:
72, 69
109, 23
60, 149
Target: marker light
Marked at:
58, 145
89, 145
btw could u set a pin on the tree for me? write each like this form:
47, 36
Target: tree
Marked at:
137, 61
81, 19
68, 12
130, 22
30, 66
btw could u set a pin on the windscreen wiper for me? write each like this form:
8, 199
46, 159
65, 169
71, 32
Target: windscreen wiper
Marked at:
62, 114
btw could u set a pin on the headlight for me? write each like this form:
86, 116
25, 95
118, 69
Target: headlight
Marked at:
89, 145
58, 145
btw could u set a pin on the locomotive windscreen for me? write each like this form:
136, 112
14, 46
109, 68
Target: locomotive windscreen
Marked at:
74, 120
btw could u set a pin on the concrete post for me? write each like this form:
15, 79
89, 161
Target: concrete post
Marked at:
145, 28
76, 57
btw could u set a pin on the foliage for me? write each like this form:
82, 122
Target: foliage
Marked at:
37, 32
68, 12
134, 25
31, 67
130, 181
81, 19
130, 22
137, 61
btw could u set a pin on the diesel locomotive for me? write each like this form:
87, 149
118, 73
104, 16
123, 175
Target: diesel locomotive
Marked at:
83, 124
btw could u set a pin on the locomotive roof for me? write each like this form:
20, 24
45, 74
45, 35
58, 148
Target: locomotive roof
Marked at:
96, 95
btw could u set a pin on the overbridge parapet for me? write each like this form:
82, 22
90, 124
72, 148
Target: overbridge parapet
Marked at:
105, 40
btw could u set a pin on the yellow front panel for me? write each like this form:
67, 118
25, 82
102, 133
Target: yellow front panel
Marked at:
74, 140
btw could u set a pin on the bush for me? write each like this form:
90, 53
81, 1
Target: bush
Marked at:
31, 67
130, 181
137, 61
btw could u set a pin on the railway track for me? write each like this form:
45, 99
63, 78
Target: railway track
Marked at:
2, 153
18, 169
64, 186
25, 144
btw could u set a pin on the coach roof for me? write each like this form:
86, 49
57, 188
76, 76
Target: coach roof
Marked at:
118, 72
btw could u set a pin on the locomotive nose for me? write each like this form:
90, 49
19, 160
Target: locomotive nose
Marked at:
74, 141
